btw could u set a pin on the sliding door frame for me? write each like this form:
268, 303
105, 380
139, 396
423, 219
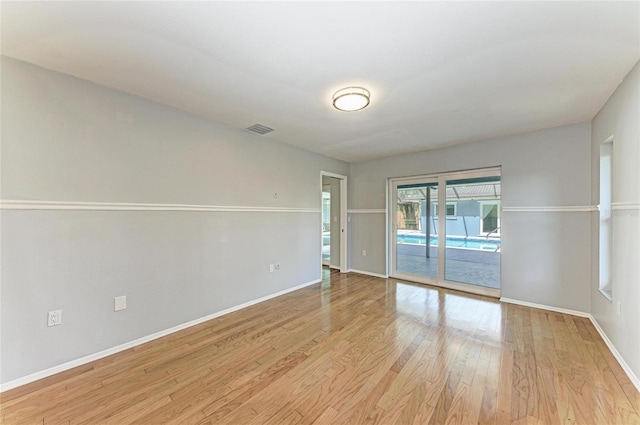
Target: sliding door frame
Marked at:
392, 227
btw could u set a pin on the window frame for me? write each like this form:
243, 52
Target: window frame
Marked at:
605, 219
447, 204
490, 202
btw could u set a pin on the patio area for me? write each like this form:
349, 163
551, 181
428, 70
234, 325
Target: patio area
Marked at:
469, 266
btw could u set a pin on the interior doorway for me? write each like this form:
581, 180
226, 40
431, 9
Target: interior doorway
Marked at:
326, 221
334, 219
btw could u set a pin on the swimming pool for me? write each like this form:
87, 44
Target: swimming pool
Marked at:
453, 242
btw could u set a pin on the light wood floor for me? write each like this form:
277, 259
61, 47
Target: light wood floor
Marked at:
352, 350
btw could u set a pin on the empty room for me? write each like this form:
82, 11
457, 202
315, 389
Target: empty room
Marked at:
254, 213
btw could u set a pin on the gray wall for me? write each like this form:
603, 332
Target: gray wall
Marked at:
367, 232
545, 255
65, 139
68, 140
620, 117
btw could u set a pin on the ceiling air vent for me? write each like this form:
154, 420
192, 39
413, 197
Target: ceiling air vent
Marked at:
259, 129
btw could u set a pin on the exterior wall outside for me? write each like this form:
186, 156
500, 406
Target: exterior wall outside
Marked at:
545, 255
456, 225
66, 140
619, 118
467, 224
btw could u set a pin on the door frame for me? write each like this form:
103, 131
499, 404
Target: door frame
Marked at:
343, 219
326, 262
440, 280
392, 225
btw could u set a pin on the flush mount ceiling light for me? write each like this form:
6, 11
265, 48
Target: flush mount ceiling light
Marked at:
351, 99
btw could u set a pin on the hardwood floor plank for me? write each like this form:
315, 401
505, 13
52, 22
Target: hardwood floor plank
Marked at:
327, 417
236, 398
602, 354
294, 418
462, 410
363, 365
360, 413
548, 407
445, 400
488, 410
353, 349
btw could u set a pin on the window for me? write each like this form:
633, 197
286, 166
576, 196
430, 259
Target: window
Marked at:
490, 217
605, 231
326, 211
451, 209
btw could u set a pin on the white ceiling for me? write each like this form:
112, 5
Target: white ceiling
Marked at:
440, 73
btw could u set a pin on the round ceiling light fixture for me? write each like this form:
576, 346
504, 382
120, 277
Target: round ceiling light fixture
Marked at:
351, 99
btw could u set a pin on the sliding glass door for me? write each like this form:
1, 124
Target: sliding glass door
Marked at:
445, 230
473, 231
416, 243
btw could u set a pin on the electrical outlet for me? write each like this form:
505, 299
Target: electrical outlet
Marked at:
364, 252
120, 303
54, 318
271, 268
619, 308
277, 266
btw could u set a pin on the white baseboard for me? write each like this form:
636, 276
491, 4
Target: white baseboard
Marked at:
545, 307
383, 276
632, 376
96, 356
623, 364
113, 350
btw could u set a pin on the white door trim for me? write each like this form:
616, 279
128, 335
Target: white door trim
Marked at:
343, 218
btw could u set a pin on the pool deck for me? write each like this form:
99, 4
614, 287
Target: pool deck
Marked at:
475, 267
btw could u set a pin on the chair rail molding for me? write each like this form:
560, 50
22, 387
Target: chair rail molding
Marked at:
115, 206
572, 208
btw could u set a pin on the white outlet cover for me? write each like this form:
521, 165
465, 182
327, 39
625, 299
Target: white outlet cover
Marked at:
120, 303
54, 318
271, 268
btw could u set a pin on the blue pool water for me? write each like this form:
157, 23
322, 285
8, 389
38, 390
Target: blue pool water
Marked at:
453, 242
